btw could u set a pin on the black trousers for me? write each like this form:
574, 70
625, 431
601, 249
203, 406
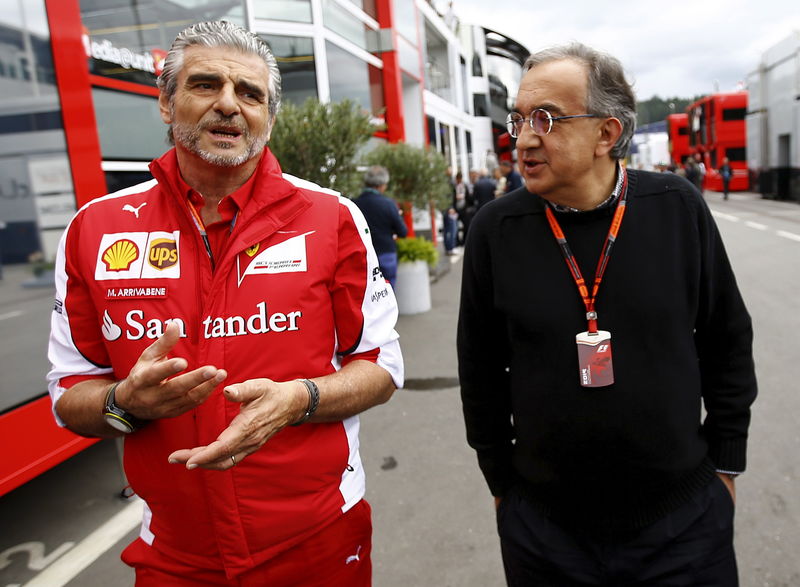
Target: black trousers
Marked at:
692, 546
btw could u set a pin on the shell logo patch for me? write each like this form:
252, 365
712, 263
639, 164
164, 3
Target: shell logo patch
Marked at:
120, 255
163, 253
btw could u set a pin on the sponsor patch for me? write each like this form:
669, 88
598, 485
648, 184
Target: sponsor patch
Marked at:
139, 255
163, 253
137, 326
288, 256
135, 293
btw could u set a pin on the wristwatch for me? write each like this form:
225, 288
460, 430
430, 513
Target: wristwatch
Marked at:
118, 418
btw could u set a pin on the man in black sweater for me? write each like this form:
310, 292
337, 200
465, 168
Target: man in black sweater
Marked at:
383, 219
583, 399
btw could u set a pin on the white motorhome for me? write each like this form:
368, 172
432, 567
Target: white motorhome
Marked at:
773, 121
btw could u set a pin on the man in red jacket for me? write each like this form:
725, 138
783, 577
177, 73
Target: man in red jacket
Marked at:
206, 315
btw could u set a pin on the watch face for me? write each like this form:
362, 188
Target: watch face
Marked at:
117, 423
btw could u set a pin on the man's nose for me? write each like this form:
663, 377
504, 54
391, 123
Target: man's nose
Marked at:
227, 102
526, 138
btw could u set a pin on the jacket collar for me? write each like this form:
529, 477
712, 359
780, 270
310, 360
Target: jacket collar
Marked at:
274, 201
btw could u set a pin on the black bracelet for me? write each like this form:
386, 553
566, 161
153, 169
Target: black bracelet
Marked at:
313, 400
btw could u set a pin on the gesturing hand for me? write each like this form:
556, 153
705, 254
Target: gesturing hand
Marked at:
150, 391
266, 407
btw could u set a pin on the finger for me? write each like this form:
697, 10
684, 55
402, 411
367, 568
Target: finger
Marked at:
247, 391
154, 373
164, 343
179, 457
215, 455
197, 384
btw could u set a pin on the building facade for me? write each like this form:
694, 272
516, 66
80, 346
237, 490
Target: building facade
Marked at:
79, 115
773, 121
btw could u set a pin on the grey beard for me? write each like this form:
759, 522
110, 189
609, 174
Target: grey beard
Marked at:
189, 137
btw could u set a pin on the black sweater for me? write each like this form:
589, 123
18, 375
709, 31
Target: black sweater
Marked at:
627, 454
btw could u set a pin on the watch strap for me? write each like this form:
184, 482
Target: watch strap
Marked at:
116, 417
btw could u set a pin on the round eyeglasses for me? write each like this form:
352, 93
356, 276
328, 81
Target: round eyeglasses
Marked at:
540, 121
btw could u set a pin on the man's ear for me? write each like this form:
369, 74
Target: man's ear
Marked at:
609, 133
164, 109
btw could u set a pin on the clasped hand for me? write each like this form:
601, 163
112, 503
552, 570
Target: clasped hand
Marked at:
155, 388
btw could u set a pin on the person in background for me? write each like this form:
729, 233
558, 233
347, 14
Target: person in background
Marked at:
491, 162
584, 378
500, 181
691, 171
450, 219
464, 205
483, 187
726, 173
701, 172
513, 178
383, 218
226, 320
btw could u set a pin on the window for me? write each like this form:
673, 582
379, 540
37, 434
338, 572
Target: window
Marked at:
368, 6
344, 23
736, 154
295, 56
477, 68
480, 106
734, 113
444, 144
119, 139
119, 180
127, 38
354, 79
437, 64
36, 194
405, 14
291, 10
431, 122
30, 122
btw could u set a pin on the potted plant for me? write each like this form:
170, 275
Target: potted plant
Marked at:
320, 142
413, 292
417, 177
42, 269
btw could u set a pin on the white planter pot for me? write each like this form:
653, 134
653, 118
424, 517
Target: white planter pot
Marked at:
413, 291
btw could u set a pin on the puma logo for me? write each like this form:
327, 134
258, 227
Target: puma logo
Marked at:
129, 208
355, 557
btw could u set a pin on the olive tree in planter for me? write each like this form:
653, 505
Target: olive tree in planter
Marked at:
319, 142
414, 257
417, 177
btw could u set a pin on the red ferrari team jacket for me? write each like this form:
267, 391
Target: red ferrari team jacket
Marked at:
297, 293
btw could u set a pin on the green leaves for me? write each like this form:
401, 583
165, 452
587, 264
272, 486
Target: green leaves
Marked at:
416, 175
416, 249
319, 142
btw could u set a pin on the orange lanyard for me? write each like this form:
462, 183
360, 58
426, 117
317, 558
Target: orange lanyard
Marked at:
602, 263
201, 228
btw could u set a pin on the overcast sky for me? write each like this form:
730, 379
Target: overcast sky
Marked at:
678, 48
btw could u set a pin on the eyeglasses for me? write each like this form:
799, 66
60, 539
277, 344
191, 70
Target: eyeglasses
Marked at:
540, 121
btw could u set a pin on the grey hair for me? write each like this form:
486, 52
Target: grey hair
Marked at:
220, 33
608, 91
376, 176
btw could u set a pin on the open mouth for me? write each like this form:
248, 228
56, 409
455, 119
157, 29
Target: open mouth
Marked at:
225, 133
531, 165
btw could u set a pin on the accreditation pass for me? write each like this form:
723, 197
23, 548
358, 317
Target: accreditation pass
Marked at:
594, 358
